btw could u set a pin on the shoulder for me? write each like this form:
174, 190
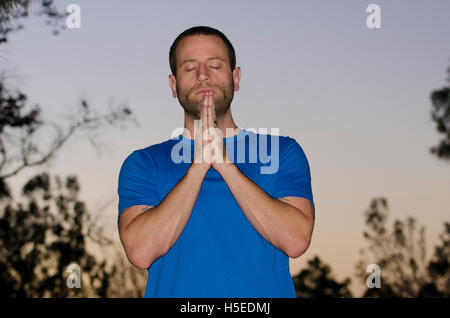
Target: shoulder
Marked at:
271, 138
148, 155
282, 144
286, 143
290, 148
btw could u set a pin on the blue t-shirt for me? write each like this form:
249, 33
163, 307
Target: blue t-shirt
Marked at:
219, 253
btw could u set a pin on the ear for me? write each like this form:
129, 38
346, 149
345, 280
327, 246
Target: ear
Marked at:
236, 77
173, 85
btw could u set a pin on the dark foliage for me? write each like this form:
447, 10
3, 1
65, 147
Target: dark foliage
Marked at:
42, 237
401, 255
440, 114
316, 281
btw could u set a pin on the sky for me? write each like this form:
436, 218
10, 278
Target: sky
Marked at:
356, 99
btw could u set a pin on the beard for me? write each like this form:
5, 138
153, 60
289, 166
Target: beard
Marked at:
192, 104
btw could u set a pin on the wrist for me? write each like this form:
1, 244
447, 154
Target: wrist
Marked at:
198, 169
225, 168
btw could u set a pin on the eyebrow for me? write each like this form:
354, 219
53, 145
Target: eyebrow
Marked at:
209, 58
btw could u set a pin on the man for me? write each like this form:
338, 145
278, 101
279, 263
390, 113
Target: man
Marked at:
214, 226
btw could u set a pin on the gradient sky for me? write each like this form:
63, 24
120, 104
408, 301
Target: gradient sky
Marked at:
356, 99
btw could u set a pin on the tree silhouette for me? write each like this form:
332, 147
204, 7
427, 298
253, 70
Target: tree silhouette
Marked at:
19, 131
401, 255
12, 12
440, 114
127, 281
31, 263
439, 268
20, 145
316, 281
41, 237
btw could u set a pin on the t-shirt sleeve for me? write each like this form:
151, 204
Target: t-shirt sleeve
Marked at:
294, 176
136, 184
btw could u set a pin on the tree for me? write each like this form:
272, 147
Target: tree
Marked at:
40, 238
12, 12
19, 148
439, 268
127, 281
316, 281
401, 255
20, 145
440, 113
37, 243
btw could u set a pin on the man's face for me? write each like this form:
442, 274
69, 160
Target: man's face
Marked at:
202, 62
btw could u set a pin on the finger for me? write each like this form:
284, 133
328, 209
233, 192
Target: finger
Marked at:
211, 133
213, 109
205, 133
210, 113
199, 130
200, 121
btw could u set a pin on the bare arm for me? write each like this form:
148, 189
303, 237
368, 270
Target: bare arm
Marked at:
286, 223
147, 233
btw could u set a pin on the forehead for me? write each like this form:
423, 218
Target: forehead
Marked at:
201, 47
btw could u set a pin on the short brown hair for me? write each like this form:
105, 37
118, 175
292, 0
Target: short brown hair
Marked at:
200, 30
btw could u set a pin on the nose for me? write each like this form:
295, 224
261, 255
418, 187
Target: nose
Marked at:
203, 73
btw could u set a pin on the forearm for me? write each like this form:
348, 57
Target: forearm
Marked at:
281, 224
151, 234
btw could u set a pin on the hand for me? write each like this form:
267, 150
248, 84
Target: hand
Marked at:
210, 138
202, 159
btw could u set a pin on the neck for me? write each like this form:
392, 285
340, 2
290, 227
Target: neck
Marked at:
224, 123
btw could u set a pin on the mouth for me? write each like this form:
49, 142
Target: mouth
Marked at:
204, 90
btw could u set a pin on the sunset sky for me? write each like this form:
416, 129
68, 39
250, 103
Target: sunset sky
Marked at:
356, 99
